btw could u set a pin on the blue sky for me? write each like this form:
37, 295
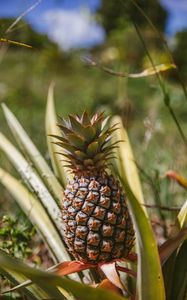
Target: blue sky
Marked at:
71, 23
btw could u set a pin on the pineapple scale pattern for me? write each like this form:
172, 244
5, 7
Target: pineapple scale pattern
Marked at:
98, 224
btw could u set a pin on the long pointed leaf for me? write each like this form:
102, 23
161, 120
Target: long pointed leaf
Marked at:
37, 215
33, 153
31, 292
150, 283
179, 285
127, 165
31, 178
52, 129
43, 279
167, 248
182, 216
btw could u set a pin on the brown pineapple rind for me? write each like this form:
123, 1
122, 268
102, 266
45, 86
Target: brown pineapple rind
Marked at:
98, 224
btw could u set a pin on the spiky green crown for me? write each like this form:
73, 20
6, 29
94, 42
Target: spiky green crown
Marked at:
86, 143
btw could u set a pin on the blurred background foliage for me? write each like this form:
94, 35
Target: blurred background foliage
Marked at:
26, 74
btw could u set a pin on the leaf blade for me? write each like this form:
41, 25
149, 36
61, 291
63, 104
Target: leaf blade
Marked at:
52, 129
36, 213
33, 153
149, 269
79, 290
127, 165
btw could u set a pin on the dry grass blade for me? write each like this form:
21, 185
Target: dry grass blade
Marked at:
147, 72
4, 40
23, 15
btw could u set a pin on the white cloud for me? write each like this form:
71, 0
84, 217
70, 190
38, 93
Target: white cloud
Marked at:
72, 28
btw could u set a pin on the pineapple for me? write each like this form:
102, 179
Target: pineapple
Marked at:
97, 221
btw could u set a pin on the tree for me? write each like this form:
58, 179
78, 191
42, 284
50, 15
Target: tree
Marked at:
114, 14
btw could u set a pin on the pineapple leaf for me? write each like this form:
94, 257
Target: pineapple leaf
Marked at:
110, 271
33, 154
65, 131
179, 283
167, 248
92, 148
36, 213
51, 128
126, 162
85, 120
88, 162
76, 125
102, 138
76, 140
80, 154
50, 282
149, 268
32, 179
60, 138
66, 146
89, 133
182, 216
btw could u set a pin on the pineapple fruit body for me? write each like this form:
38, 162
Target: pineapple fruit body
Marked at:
97, 220
98, 225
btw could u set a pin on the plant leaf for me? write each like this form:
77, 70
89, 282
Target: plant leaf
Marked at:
127, 166
182, 216
32, 292
47, 280
33, 154
31, 178
109, 286
179, 284
36, 214
52, 129
147, 72
69, 267
178, 178
149, 269
167, 248
111, 273
7, 41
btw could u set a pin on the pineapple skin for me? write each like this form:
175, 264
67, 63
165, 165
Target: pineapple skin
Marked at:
98, 226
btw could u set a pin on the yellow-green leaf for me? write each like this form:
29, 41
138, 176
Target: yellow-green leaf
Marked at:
51, 128
49, 282
182, 216
147, 72
36, 214
125, 159
150, 283
7, 41
33, 154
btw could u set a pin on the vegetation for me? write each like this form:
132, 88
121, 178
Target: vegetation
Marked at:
151, 107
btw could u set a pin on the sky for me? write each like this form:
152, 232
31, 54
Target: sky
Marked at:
71, 23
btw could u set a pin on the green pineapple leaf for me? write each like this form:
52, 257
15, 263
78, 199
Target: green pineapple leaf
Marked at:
52, 129
33, 154
149, 267
51, 283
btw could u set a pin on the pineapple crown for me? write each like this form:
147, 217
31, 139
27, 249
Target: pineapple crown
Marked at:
85, 141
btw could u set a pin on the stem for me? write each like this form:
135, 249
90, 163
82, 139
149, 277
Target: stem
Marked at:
165, 93
160, 36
